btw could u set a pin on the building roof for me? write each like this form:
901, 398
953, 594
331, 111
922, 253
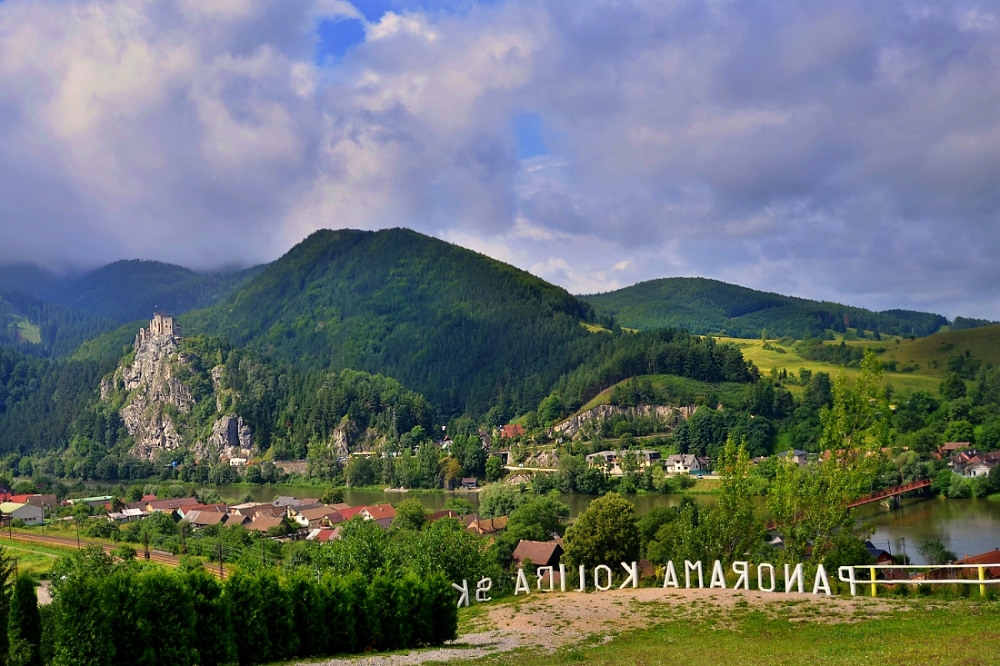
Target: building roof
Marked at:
11, 507
262, 523
205, 518
381, 511
954, 446
324, 534
321, 512
542, 553
172, 504
488, 525
512, 430
351, 511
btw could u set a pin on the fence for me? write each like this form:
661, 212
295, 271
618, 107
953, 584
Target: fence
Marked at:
849, 575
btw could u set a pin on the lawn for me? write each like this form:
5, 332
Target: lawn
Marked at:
917, 633
33, 558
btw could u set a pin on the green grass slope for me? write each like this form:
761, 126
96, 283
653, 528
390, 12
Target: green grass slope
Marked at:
710, 306
931, 355
39, 328
463, 329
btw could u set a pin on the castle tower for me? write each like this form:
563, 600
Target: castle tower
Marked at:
161, 325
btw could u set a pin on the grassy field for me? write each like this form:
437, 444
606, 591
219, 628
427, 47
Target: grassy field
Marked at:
33, 558
931, 353
788, 359
917, 632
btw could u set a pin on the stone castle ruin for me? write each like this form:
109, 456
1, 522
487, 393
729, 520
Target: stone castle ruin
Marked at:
161, 326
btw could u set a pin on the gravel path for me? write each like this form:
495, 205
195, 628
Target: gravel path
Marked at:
469, 646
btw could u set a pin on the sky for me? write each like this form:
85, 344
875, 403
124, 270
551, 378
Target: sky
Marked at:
847, 151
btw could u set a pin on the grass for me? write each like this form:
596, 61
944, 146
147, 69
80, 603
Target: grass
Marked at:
916, 633
28, 331
33, 558
931, 353
789, 359
683, 391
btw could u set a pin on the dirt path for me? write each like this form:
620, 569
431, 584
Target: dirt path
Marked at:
552, 620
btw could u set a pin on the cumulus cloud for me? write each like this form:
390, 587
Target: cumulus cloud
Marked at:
847, 151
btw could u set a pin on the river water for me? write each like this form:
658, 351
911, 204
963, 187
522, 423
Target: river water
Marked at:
966, 527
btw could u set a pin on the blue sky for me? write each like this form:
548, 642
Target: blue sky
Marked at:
846, 151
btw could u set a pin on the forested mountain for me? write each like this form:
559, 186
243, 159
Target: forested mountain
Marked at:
40, 328
465, 330
126, 290
709, 306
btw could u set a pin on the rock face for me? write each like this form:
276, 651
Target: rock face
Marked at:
230, 438
154, 392
571, 426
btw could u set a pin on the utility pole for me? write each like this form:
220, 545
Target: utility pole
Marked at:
263, 553
77, 523
145, 541
221, 572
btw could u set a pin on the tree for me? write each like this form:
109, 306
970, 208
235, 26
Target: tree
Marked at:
811, 504
498, 499
960, 431
606, 533
24, 628
494, 469
953, 387
332, 496
460, 506
591, 481
935, 553
410, 515
537, 520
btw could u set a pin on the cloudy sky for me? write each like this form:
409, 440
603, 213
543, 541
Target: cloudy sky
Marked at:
842, 150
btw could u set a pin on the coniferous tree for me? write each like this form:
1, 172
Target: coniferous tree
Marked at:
24, 627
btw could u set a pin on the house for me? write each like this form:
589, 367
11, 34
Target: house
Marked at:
383, 514
488, 526
199, 519
988, 558
687, 463
29, 513
324, 534
470, 482
948, 449
511, 430
797, 456
610, 461
126, 515
262, 523
47, 501
170, 505
321, 516
539, 553
881, 556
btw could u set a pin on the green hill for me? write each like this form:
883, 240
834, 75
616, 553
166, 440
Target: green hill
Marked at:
964, 351
463, 329
709, 306
126, 290
42, 329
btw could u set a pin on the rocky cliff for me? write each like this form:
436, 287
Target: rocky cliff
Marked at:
156, 404
671, 415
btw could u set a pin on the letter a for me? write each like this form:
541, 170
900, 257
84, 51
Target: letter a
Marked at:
464, 589
521, 585
821, 583
718, 578
670, 578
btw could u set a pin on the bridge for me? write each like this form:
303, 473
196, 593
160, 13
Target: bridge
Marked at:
891, 492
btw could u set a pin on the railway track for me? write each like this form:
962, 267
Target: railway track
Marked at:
66, 542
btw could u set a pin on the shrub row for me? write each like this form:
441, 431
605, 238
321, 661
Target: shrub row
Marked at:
156, 617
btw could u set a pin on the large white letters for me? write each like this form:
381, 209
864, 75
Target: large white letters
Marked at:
562, 577
633, 575
541, 574
718, 578
522, 583
792, 577
583, 579
849, 579
597, 577
760, 578
464, 589
693, 566
482, 588
670, 578
821, 582
742, 570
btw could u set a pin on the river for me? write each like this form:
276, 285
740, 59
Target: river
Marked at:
966, 527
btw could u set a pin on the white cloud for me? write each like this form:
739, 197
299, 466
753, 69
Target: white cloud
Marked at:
848, 151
